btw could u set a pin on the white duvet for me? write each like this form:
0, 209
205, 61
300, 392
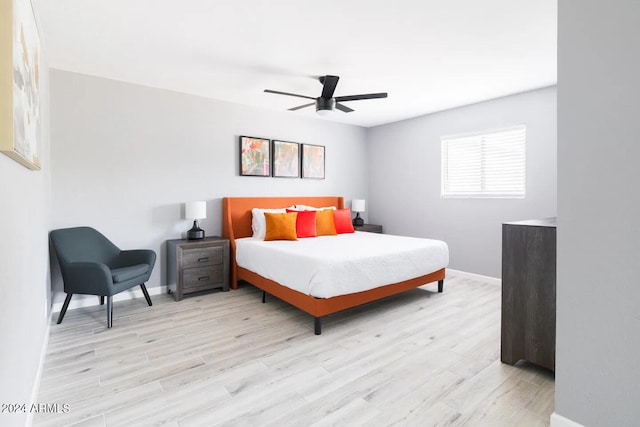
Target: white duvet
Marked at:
328, 266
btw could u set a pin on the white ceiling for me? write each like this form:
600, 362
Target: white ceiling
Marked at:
429, 55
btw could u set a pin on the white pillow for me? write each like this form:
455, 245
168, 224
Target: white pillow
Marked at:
258, 223
311, 208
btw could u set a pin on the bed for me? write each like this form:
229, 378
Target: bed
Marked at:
237, 218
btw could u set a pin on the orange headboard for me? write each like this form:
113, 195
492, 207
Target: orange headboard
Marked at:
236, 216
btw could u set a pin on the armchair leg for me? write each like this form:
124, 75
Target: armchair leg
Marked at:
109, 311
146, 294
101, 299
64, 308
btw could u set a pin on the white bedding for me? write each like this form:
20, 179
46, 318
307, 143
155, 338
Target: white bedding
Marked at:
328, 266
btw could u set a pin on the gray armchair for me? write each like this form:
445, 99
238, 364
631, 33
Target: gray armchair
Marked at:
92, 265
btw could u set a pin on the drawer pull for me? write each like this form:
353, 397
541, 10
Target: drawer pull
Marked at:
203, 278
203, 259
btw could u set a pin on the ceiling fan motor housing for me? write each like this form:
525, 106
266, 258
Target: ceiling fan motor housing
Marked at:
325, 104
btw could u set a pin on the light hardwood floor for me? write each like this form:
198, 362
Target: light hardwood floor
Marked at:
224, 358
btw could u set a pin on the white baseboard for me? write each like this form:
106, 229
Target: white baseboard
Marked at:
473, 276
560, 421
36, 384
79, 300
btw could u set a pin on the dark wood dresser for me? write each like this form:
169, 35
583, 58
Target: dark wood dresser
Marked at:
529, 292
197, 265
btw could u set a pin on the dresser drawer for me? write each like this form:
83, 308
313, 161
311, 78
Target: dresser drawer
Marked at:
201, 257
202, 277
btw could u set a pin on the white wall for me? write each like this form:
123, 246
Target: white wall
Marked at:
404, 178
24, 270
598, 292
126, 158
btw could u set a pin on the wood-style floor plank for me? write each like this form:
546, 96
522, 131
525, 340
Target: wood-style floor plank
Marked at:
224, 358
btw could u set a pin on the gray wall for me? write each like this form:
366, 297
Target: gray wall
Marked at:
126, 157
25, 214
404, 178
598, 292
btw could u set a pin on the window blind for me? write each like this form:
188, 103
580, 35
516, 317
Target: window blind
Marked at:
488, 164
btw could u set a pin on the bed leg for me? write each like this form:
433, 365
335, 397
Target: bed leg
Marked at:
440, 285
264, 297
317, 325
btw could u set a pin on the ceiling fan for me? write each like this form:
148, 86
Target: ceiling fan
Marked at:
326, 102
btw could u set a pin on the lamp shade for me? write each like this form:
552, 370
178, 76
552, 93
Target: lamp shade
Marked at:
357, 205
195, 210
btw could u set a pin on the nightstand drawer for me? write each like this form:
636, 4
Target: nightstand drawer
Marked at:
201, 257
202, 277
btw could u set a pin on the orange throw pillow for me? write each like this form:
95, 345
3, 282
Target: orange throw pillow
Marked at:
280, 226
324, 223
305, 223
342, 220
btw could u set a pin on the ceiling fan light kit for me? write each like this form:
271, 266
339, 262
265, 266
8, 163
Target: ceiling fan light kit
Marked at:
326, 103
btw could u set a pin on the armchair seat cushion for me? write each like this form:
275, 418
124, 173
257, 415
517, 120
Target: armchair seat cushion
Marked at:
125, 273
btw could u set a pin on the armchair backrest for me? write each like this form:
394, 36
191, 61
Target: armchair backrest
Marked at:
83, 244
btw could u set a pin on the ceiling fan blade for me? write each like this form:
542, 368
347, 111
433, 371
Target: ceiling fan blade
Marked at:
328, 85
301, 106
343, 108
358, 97
287, 93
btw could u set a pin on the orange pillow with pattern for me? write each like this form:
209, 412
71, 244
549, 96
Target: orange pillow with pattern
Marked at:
325, 225
280, 226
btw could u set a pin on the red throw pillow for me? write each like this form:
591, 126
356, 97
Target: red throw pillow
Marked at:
342, 220
305, 223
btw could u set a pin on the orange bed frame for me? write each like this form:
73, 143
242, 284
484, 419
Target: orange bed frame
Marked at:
236, 223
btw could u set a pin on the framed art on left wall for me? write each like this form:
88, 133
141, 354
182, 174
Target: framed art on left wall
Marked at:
255, 156
20, 95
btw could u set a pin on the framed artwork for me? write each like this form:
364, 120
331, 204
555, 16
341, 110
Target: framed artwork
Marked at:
20, 83
312, 161
286, 159
255, 156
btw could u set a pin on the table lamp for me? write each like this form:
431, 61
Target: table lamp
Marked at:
357, 206
195, 211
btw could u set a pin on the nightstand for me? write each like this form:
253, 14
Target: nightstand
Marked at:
371, 228
197, 265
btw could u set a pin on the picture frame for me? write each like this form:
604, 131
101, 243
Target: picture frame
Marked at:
313, 161
255, 156
286, 159
20, 97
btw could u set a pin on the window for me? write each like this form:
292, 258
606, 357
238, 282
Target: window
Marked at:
488, 164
